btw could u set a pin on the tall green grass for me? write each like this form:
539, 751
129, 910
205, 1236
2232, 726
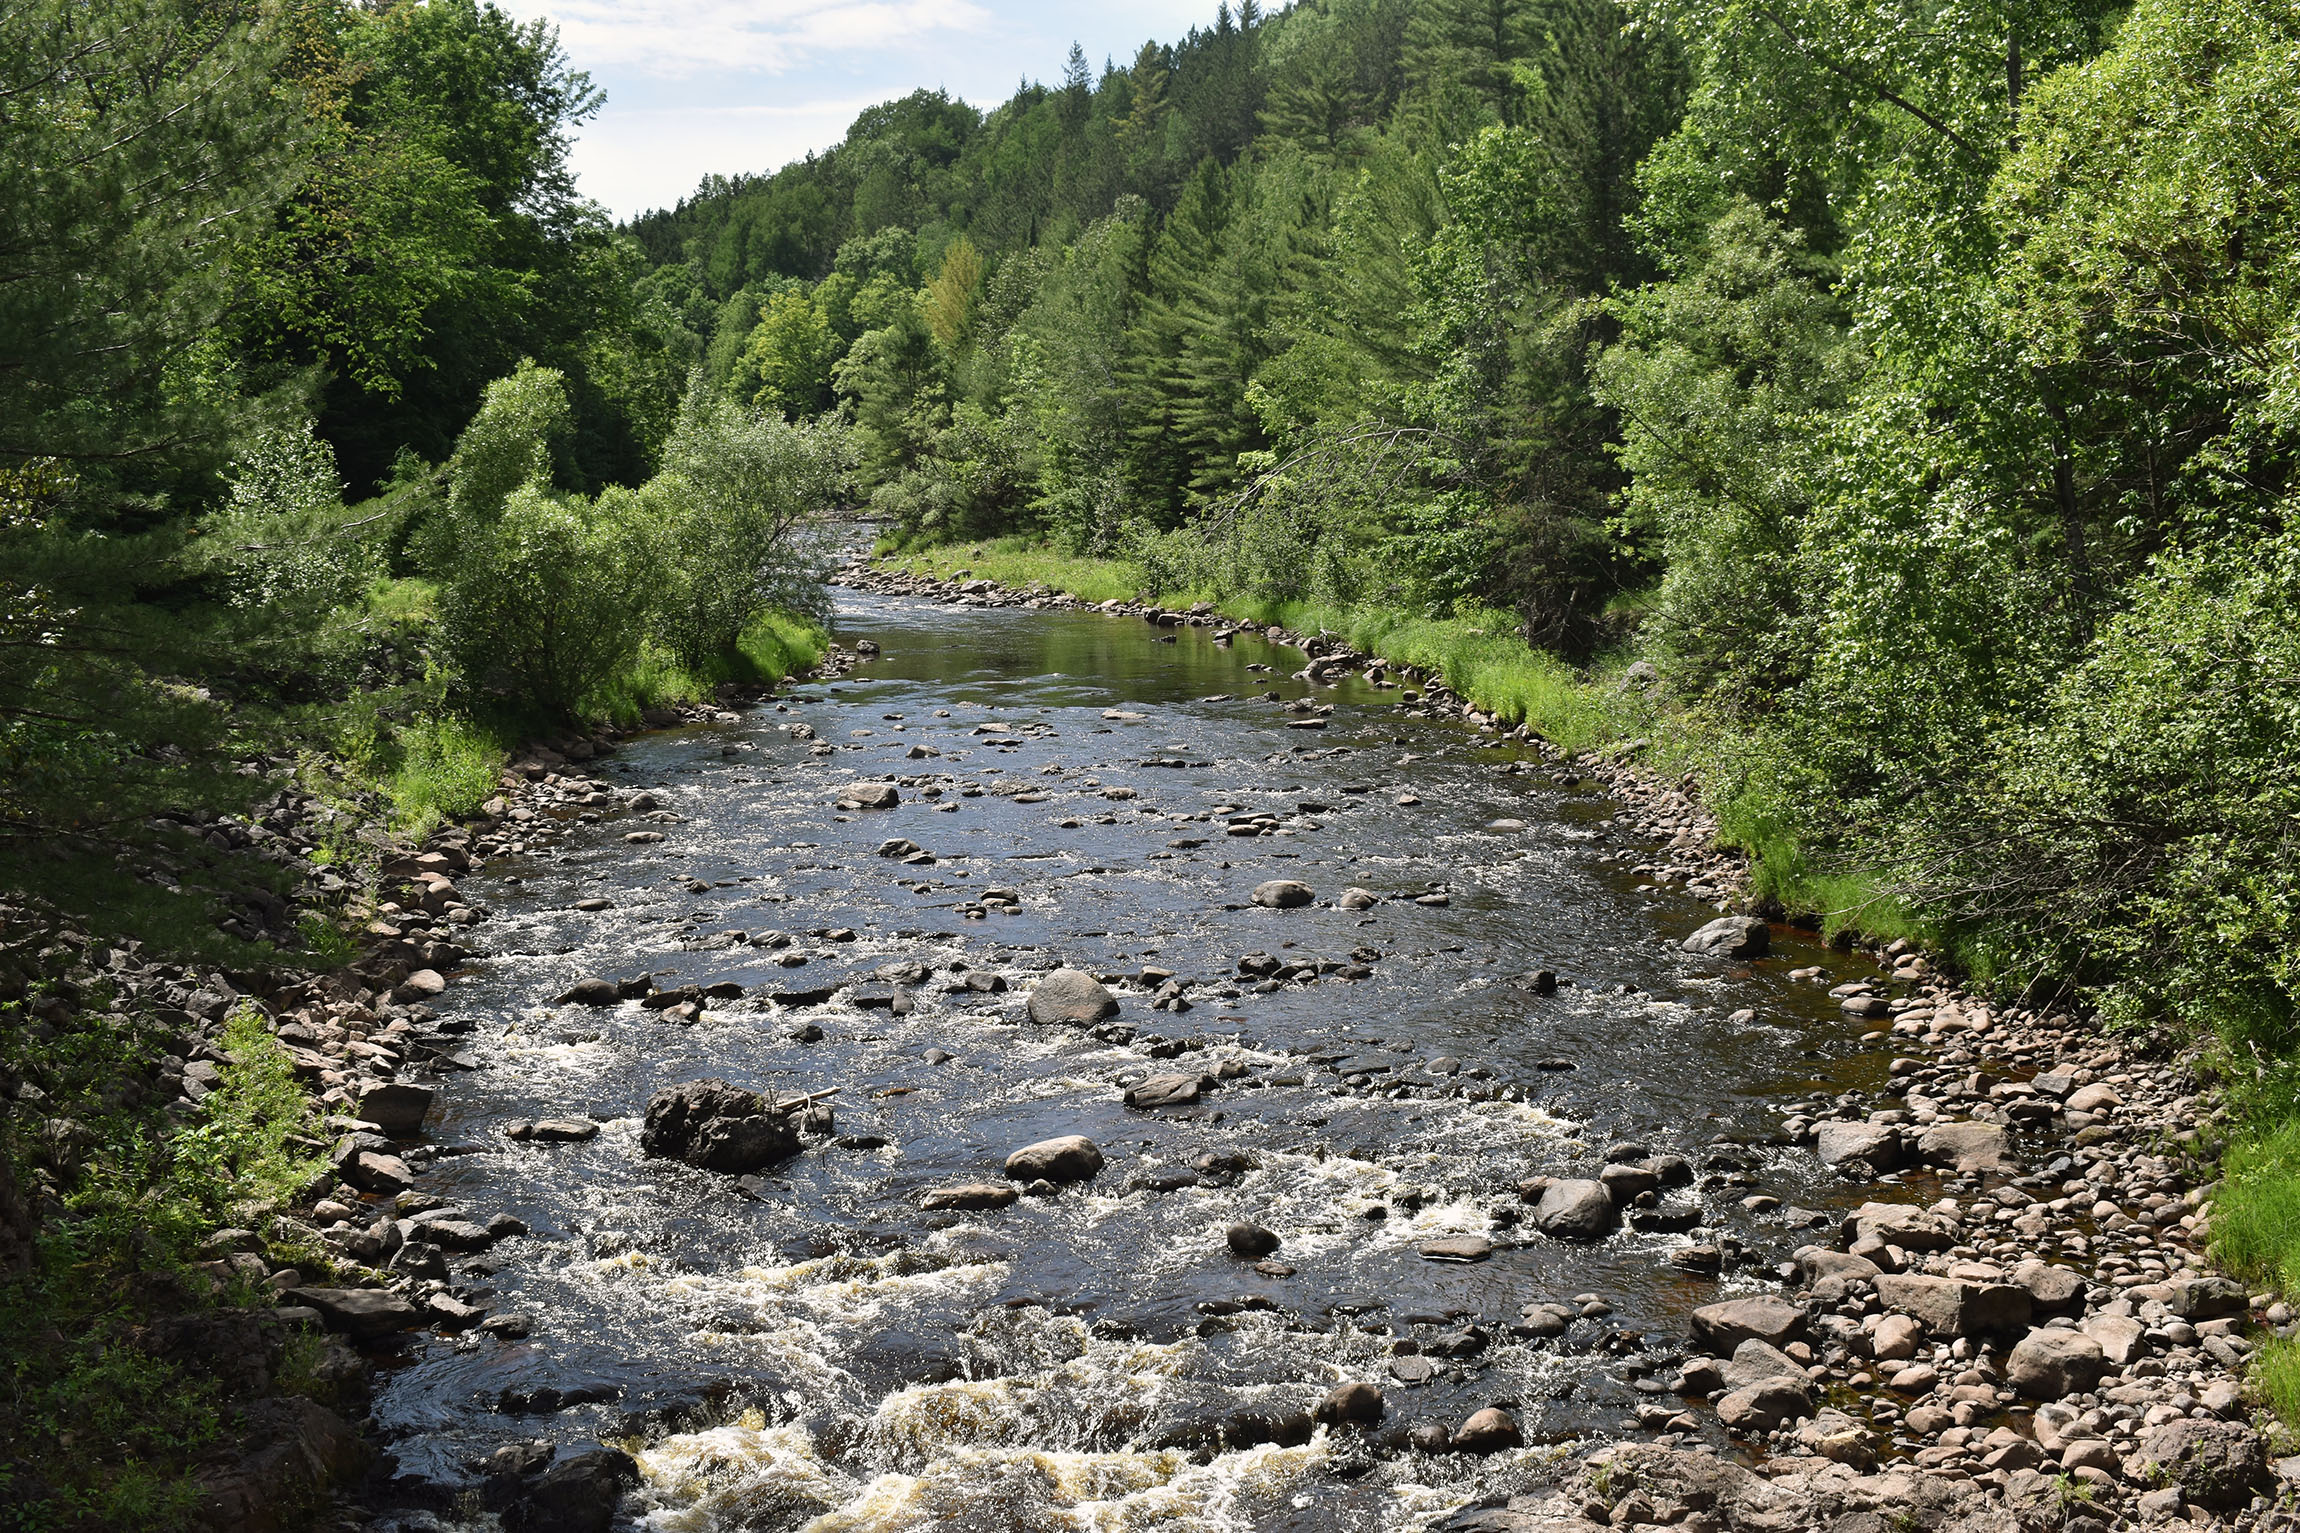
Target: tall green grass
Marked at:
448, 766
2256, 1213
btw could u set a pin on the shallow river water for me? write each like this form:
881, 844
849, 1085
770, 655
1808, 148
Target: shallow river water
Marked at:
815, 1351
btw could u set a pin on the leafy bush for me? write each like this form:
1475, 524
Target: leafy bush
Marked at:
448, 767
281, 543
728, 517
547, 600
2144, 833
509, 443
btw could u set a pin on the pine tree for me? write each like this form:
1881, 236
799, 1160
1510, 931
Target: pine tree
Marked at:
141, 149
1458, 52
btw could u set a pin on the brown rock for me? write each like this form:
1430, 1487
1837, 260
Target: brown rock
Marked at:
1353, 1404
1954, 1307
1491, 1430
1734, 1321
1069, 1158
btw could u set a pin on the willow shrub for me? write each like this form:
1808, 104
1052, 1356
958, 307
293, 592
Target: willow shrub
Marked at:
547, 601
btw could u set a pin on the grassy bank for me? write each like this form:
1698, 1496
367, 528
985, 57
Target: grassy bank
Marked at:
433, 764
1480, 656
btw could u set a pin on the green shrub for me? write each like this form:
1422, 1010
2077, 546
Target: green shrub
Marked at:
101, 1434
728, 517
546, 601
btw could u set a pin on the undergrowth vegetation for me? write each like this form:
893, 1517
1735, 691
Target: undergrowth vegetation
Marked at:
99, 1430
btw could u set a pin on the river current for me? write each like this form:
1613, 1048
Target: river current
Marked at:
813, 1350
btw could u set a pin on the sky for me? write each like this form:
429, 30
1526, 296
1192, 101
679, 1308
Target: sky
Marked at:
697, 87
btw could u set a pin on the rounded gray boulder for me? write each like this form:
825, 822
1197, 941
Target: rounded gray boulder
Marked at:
1071, 996
1732, 937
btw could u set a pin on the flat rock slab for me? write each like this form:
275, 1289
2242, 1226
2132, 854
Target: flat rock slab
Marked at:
971, 1195
1070, 1158
563, 1130
1073, 997
1900, 1224
1971, 1148
1168, 1091
1457, 1248
1734, 1321
364, 1314
1953, 1306
374, 1171
1877, 1143
396, 1109
870, 795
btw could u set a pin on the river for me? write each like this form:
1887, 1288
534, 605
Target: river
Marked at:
816, 1351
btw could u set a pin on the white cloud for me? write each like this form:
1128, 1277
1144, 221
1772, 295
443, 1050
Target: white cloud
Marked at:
636, 160
671, 38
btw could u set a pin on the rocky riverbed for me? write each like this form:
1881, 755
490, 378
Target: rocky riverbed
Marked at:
1067, 1068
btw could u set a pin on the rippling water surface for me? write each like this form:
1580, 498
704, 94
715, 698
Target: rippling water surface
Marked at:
819, 1353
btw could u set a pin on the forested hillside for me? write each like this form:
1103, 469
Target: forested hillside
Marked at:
1910, 386
1875, 419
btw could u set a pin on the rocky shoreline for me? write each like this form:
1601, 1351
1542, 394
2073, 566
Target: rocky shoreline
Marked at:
2022, 1330
293, 1443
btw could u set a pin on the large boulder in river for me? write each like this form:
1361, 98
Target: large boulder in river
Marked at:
1072, 996
1732, 937
1071, 1158
1282, 894
1576, 1208
870, 795
717, 1127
